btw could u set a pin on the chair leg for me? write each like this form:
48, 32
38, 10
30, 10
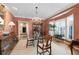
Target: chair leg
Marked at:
33, 43
27, 43
43, 51
71, 48
37, 49
50, 51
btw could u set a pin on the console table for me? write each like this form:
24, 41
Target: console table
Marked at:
74, 45
7, 43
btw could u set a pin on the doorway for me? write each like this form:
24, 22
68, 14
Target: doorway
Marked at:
23, 29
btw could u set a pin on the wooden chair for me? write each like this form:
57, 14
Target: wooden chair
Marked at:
44, 45
30, 42
73, 43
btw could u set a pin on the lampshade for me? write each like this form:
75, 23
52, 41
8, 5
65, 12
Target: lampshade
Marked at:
1, 21
11, 23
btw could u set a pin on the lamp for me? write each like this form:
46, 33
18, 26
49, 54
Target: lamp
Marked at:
1, 21
11, 24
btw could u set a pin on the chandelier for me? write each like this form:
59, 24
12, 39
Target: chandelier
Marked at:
36, 19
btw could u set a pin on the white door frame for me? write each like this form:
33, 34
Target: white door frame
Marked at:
19, 29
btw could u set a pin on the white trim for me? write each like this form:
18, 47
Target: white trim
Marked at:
61, 14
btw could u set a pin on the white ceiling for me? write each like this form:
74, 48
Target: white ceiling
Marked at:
45, 10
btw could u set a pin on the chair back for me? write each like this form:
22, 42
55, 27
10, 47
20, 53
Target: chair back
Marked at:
48, 39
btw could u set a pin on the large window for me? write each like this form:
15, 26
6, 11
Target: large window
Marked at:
70, 27
60, 27
64, 27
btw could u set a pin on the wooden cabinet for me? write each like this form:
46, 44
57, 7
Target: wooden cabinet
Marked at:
7, 43
37, 30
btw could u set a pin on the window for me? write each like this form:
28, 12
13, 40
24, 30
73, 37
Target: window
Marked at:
70, 27
51, 31
60, 27
64, 27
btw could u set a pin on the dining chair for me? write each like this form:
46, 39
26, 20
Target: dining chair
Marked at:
44, 45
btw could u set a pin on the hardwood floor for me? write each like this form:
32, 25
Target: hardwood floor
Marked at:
57, 49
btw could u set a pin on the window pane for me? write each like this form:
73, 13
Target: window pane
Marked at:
60, 27
70, 27
51, 32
